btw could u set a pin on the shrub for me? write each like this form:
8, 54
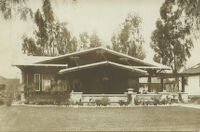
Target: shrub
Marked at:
104, 101
48, 98
98, 102
79, 102
163, 102
1, 102
122, 102
9, 101
149, 102
129, 98
70, 102
180, 97
156, 100
26, 102
195, 99
168, 99
174, 100
137, 101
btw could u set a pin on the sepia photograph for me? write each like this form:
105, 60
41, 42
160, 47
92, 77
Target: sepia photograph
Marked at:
99, 65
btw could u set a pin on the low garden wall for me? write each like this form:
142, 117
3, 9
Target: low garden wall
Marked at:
78, 98
110, 99
128, 98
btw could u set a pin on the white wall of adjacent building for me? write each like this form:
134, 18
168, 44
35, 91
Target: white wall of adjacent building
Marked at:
193, 85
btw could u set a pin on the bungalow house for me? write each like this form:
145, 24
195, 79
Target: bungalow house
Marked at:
89, 74
192, 85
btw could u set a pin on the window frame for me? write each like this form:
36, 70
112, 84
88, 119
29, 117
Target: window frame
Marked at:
38, 86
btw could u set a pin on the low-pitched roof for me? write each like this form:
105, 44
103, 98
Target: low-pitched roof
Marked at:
77, 68
144, 62
193, 70
41, 65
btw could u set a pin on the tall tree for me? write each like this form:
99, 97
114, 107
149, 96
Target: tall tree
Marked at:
170, 40
52, 37
10, 8
95, 41
129, 40
192, 13
84, 40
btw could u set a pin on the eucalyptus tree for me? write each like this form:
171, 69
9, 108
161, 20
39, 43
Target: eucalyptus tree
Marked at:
129, 40
191, 10
51, 37
84, 41
171, 39
10, 8
95, 41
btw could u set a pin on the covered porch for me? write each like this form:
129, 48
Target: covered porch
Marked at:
102, 78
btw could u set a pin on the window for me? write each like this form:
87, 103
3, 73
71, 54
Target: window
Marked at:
46, 85
37, 82
185, 80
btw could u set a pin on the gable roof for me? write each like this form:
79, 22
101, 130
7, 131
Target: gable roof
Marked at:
193, 70
125, 67
111, 52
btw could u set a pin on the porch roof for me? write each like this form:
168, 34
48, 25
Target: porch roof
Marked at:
41, 66
147, 67
172, 75
103, 63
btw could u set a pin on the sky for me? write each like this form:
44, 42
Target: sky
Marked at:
101, 16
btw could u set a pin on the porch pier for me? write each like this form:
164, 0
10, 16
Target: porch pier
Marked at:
161, 85
22, 90
133, 96
149, 84
183, 84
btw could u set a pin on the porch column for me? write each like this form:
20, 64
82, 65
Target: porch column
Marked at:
22, 88
183, 84
161, 86
133, 96
149, 84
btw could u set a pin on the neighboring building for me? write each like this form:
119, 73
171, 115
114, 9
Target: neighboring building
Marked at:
192, 84
9, 86
2, 93
93, 72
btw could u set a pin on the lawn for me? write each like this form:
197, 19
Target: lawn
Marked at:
23, 118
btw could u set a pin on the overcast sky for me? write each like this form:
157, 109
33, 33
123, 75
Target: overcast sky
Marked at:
102, 16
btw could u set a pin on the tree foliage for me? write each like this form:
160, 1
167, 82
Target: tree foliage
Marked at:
87, 41
51, 37
129, 40
84, 41
10, 8
170, 40
192, 12
95, 41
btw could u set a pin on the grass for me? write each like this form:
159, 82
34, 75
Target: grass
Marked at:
23, 118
